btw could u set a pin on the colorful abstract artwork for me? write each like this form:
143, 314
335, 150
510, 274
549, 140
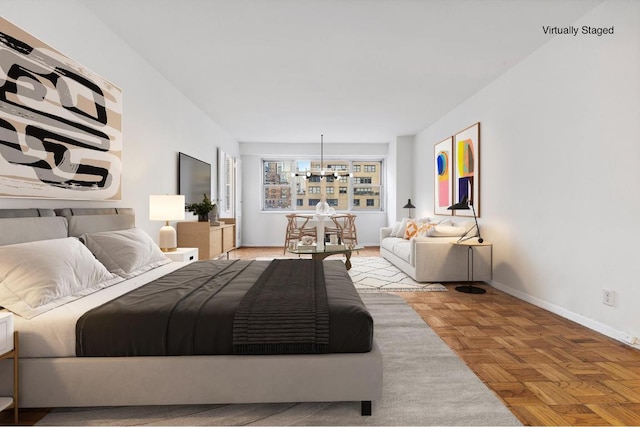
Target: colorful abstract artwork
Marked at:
466, 182
60, 124
443, 179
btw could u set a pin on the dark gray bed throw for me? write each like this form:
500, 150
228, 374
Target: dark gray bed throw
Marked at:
285, 311
191, 311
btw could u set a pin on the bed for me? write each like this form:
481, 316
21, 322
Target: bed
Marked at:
51, 375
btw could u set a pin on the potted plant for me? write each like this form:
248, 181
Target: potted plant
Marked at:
201, 209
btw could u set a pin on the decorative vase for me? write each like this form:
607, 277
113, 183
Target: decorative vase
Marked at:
203, 217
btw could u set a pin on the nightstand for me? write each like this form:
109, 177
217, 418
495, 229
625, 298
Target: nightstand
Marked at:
183, 254
8, 402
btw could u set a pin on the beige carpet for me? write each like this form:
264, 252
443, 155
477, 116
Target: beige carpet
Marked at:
376, 274
425, 383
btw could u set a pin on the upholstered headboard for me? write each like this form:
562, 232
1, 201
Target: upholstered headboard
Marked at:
28, 225
30, 229
89, 220
22, 213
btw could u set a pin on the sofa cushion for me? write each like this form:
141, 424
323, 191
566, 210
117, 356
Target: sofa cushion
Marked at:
402, 250
398, 246
390, 242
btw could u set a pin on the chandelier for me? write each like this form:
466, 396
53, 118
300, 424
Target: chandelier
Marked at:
323, 172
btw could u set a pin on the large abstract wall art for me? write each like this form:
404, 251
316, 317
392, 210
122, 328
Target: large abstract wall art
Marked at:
60, 124
443, 179
466, 181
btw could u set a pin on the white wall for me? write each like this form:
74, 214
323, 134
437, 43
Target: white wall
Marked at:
405, 171
262, 228
559, 169
158, 121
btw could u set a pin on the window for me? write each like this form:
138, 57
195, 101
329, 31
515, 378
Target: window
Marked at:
283, 190
277, 184
362, 180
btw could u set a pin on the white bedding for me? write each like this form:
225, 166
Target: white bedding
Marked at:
53, 333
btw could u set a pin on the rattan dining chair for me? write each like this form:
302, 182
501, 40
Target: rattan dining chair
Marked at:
345, 228
297, 228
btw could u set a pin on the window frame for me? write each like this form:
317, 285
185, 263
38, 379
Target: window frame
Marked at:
296, 194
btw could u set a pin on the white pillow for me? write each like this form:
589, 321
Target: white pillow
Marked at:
403, 227
394, 230
446, 231
126, 253
38, 276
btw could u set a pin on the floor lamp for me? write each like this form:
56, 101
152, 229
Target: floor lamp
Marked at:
465, 204
409, 206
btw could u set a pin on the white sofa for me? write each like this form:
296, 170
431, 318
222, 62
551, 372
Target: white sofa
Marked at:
436, 258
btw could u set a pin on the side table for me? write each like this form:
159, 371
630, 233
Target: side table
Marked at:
8, 402
183, 254
469, 288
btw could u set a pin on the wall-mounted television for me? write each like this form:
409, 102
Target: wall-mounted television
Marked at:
194, 178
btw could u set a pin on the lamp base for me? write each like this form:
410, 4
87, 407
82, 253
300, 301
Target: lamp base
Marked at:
168, 240
469, 289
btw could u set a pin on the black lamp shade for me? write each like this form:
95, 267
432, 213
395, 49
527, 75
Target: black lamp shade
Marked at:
461, 205
409, 205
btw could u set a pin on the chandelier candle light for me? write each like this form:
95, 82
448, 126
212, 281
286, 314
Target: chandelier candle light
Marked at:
322, 173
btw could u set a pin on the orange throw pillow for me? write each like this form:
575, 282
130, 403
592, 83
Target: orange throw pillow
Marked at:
411, 230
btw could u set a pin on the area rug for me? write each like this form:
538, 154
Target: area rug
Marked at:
425, 383
376, 274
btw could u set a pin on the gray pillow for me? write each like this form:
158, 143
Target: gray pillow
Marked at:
126, 253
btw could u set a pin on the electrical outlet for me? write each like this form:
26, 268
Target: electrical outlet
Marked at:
608, 296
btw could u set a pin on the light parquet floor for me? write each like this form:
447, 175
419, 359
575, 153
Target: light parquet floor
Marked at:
547, 370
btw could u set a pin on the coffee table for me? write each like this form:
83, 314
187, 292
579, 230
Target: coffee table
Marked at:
321, 254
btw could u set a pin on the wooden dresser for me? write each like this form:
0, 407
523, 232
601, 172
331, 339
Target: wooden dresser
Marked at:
211, 240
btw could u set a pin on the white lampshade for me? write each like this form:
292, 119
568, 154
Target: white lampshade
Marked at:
167, 208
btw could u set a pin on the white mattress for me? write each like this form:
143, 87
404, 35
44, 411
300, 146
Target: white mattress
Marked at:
53, 333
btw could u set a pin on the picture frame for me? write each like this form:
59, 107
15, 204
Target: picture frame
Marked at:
466, 169
61, 124
443, 176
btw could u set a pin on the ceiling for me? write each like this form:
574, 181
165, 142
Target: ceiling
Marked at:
353, 70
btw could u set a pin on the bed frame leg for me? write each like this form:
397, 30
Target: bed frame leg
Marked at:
365, 408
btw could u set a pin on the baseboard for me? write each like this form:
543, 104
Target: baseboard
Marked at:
560, 311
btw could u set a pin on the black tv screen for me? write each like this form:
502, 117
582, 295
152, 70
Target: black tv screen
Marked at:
194, 178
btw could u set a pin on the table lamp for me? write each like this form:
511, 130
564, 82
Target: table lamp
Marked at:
167, 208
